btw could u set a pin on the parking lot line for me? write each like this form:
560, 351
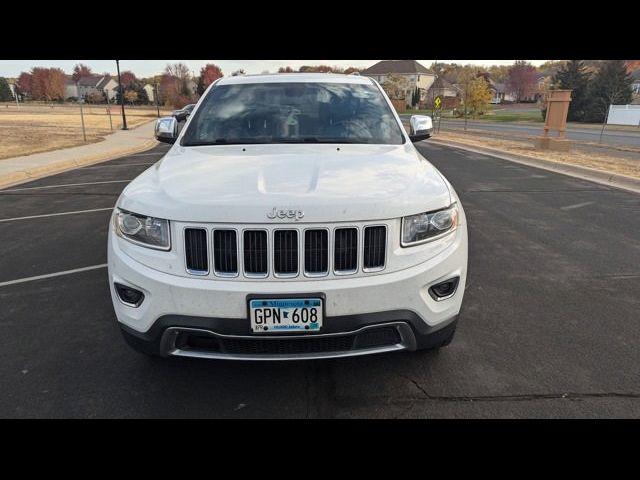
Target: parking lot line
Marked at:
118, 165
50, 275
64, 185
577, 205
145, 154
55, 214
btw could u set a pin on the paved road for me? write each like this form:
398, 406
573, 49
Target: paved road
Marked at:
549, 326
611, 136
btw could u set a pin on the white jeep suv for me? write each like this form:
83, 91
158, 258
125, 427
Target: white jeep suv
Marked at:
292, 219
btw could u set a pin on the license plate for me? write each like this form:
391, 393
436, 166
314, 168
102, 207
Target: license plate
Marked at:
286, 315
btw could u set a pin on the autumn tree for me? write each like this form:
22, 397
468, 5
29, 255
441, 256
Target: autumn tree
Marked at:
80, 71
127, 78
131, 96
573, 75
95, 97
522, 79
478, 95
47, 83
610, 86
551, 67
5, 90
24, 83
286, 69
499, 73
466, 77
350, 70
396, 86
134, 93
208, 74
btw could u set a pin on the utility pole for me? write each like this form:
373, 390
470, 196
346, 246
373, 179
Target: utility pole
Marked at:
121, 89
433, 89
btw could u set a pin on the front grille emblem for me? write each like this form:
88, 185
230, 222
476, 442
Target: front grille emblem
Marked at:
285, 213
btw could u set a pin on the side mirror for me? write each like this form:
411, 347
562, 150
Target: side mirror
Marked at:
181, 117
166, 129
421, 127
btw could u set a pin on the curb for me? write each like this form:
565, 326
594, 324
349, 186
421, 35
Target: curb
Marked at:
585, 173
22, 176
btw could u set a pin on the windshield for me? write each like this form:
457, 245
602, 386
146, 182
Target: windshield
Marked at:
293, 113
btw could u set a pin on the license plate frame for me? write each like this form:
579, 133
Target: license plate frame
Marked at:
301, 331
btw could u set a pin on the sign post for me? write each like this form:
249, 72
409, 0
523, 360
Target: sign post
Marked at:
556, 119
84, 134
437, 105
109, 112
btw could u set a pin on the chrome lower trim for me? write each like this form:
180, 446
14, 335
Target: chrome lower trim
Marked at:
168, 348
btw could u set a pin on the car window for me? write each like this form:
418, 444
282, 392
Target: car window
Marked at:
293, 113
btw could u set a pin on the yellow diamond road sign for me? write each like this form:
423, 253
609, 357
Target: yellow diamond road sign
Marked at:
437, 102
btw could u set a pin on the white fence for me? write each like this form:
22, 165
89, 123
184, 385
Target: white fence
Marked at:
624, 115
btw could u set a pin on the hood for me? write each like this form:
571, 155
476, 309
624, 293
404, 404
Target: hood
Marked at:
329, 183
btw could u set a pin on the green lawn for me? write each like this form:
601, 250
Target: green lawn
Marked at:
528, 117
500, 115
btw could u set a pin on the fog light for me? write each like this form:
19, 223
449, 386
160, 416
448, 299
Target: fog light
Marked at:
129, 296
444, 290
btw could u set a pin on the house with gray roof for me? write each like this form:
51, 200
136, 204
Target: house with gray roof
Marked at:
90, 85
415, 73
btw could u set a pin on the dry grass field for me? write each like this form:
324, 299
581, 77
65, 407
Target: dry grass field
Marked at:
38, 128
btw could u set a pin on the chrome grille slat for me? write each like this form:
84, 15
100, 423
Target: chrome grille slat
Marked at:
225, 252
195, 242
345, 250
316, 252
255, 253
374, 248
285, 252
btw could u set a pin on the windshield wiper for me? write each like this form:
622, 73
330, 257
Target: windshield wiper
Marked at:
267, 140
316, 140
225, 141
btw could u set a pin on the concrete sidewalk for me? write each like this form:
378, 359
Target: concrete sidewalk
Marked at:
17, 170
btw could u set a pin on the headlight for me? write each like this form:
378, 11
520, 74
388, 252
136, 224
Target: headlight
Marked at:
146, 231
428, 226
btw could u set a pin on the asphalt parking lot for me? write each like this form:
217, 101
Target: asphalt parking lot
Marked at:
550, 324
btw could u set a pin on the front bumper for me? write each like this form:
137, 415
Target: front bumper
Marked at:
217, 309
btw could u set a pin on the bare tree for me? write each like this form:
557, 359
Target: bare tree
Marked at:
178, 70
522, 79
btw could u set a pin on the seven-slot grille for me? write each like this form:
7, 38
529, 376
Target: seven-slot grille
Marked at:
375, 247
285, 252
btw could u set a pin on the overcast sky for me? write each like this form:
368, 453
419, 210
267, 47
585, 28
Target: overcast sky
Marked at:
147, 68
